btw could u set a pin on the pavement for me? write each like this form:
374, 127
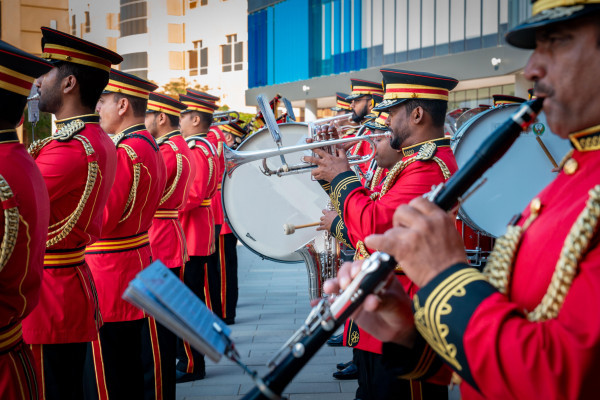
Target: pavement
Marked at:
273, 303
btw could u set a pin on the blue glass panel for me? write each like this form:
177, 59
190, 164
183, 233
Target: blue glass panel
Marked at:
290, 44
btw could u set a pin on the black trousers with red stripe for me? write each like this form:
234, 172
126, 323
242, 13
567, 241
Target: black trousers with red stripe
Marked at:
194, 276
62, 369
375, 382
229, 275
159, 355
117, 361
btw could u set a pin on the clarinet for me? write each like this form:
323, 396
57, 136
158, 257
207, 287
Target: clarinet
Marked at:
324, 319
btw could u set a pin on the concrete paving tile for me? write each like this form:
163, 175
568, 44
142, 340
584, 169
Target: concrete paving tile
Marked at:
210, 390
313, 387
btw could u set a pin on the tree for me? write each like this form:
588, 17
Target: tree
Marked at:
178, 86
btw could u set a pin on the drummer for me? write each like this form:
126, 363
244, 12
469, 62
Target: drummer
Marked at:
418, 157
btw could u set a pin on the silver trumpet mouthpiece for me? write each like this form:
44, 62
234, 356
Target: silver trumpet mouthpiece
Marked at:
34, 97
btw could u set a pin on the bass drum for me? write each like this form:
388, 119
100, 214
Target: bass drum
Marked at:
516, 178
257, 206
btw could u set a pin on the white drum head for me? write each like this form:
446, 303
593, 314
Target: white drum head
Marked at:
257, 206
516, 178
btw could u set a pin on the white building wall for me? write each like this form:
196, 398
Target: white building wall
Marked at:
211, 24
104, 22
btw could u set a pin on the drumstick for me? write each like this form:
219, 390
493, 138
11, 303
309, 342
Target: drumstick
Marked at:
288, 229
543, 146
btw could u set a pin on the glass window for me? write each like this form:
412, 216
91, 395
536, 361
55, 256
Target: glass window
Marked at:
134, 61
73, 25
473, 21
401, 25
457, 20
87, 22
442, 22
414, 24
232, 54
427, 25
133, 17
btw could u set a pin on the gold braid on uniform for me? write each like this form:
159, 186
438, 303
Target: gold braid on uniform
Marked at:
576, 244
376, 177
210, 161
11, 224
219, 142
136, 181
35, 147
179, 159
61, 229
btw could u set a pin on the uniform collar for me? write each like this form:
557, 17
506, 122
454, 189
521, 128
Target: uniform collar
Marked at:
8, 136
87, 119
168, 136
414, 149
587, 139
132, 129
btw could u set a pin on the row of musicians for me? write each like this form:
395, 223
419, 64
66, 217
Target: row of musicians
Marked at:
90, 207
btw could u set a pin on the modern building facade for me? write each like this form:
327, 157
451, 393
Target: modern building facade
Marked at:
199, 42
20, 21
308, 50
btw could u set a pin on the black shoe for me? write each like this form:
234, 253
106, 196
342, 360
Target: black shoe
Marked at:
181, 377
349, 373
342, 366
335, 341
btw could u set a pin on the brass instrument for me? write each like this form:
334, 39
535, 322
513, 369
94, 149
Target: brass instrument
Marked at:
323, 258
234, 159
225, 117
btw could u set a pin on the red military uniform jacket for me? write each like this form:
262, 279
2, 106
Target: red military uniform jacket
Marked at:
366, 212
217, 138
494, 336
78, 165
166, 235
25, 199
197, 218
123, 249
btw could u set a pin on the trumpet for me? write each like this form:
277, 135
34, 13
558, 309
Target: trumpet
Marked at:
319, 123
225, 117
234, 159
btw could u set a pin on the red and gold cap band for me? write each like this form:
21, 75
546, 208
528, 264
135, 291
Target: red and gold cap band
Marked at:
405, 91
192, 106
362, 90
162, 107
61, 53
232, 130
120, 87
15, 82
542, 5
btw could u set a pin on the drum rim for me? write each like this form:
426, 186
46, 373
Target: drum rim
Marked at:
226, 217
454, 143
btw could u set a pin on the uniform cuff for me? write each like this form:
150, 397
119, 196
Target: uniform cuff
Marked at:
325, 185
419, 362
340, 231
341, 186
443, 309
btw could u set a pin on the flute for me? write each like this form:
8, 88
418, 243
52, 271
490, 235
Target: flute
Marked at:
324, 319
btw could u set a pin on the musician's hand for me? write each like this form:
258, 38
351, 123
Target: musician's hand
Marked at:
424, 240
387, 316
327, 220
327, 132
328, 165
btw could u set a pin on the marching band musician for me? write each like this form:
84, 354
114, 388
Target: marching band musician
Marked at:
342, 106
227, 245
23, 226
417, 156
528, 326
225, 240
362, 101
123, 249
201, 272
78, 163
166, 234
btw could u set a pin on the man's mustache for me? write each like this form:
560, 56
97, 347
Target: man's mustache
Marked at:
540, 89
